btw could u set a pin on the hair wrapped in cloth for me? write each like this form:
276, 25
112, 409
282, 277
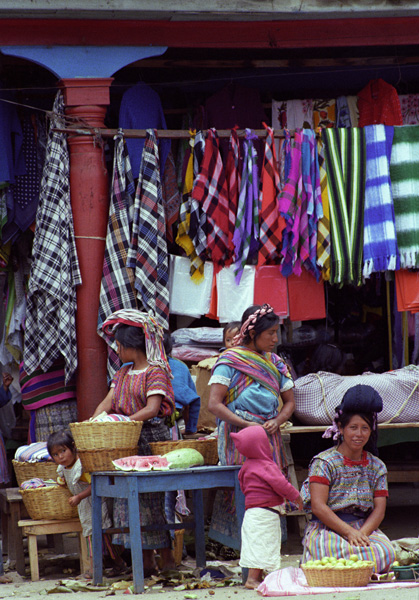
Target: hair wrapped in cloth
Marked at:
250, 323
152, 330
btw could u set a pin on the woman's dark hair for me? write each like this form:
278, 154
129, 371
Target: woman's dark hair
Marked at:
230, 327
262, 323
167, 342
131, 336
371, 445
61, 438
327, 357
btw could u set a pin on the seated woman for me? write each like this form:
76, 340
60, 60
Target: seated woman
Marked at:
347, 487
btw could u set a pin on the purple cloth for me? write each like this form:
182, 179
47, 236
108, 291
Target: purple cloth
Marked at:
141, 109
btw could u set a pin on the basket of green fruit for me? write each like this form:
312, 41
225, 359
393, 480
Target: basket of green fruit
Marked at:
338, 572
406, 572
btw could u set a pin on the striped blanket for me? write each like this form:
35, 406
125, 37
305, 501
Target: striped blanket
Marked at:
41, 389
405, 178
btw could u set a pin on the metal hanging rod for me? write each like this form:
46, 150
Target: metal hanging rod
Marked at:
161, 133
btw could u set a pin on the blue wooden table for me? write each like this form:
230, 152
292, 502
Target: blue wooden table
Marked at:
120, 484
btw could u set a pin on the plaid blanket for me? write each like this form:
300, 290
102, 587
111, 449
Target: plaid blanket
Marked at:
403, 174
117, 287
233, 180
50, 329
147, 253
380, 243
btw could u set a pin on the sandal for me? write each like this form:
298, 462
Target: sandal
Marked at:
115, 571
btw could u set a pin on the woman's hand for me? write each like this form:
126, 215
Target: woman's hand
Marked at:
105, 405
357, 538
74, 501
271, 426
7, 380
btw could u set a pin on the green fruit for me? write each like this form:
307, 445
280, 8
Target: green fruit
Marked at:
183, 458
353, 557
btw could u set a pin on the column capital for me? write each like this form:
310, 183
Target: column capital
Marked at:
86, 91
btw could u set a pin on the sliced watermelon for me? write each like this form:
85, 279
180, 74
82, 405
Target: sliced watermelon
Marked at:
141, 463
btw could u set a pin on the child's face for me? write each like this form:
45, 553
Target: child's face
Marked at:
230, 335
62, 455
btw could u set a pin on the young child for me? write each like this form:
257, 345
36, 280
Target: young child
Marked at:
265, 488
229, 332
62, 450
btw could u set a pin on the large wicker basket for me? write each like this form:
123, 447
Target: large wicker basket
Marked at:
30, 470
49, 503
208, 448
101, 460
332, 577
108, 434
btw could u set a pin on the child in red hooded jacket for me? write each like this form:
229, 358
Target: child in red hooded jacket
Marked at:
265, 489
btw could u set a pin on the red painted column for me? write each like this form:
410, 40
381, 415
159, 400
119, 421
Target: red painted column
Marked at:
87, 100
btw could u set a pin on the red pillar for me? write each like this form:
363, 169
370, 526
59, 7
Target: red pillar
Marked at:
87, 99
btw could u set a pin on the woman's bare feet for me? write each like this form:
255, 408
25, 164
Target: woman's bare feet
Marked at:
254, 578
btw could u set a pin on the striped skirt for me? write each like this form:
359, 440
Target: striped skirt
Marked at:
320, 541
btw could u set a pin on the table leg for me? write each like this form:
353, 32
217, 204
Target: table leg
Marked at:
96, 535
16, 538
33, 557
135, 536
198, 509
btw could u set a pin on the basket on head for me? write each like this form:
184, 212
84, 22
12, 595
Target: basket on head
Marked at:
30, 470
332, 577
106, 434
208, 448
101, 460
49, 503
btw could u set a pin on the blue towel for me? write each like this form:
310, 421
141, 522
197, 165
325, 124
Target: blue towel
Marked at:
381, 252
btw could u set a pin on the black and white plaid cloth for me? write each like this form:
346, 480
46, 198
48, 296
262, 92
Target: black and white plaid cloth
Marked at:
117, 287
50, 328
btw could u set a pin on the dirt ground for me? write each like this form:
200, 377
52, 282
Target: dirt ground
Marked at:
402, 520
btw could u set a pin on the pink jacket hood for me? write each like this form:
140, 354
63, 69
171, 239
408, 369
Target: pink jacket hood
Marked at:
253, 442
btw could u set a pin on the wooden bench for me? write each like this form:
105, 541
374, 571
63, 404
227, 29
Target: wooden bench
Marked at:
397, 473
34, 528
12, 511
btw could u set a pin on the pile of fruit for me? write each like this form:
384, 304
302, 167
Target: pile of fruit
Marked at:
327, 562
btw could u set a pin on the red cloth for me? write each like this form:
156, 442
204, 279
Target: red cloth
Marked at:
378, 103
261, 480
233, 189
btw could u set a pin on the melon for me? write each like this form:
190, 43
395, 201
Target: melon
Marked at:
183, 458
141, 463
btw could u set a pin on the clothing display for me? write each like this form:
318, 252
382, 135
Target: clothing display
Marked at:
147, 253
50, 328
378, 103
186, 297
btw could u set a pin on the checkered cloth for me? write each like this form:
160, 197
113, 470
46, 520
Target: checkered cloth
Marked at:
246, 234
147, 253
183, 238
318, 394
312, 205
233, 180
117, 287
271, 222
323, 226
210, 191
50, 329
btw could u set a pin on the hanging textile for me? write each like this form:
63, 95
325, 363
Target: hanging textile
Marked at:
324, 113
271, 223
246, 235
233, 180
117, 286
323, 226
50, 329
380, 243
147, 253
345, 165
409, 105
171, 196
290, 208
403, 174
183, 238
378, 103
233, 298
311, 208
187, 298
343, 115
210, 192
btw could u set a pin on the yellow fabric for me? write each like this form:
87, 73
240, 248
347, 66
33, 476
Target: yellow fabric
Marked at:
86, 477
323, 226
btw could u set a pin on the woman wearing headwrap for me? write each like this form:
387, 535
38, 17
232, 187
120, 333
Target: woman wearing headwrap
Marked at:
346, 489
250, 385
143, 391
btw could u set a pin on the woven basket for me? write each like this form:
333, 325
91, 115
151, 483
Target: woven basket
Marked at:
108, 434
332, 577
101, 460
49, 503
208, 448
29, 470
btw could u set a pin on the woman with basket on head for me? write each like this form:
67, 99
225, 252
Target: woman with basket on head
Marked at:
250, 385
142, 390
347, 487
